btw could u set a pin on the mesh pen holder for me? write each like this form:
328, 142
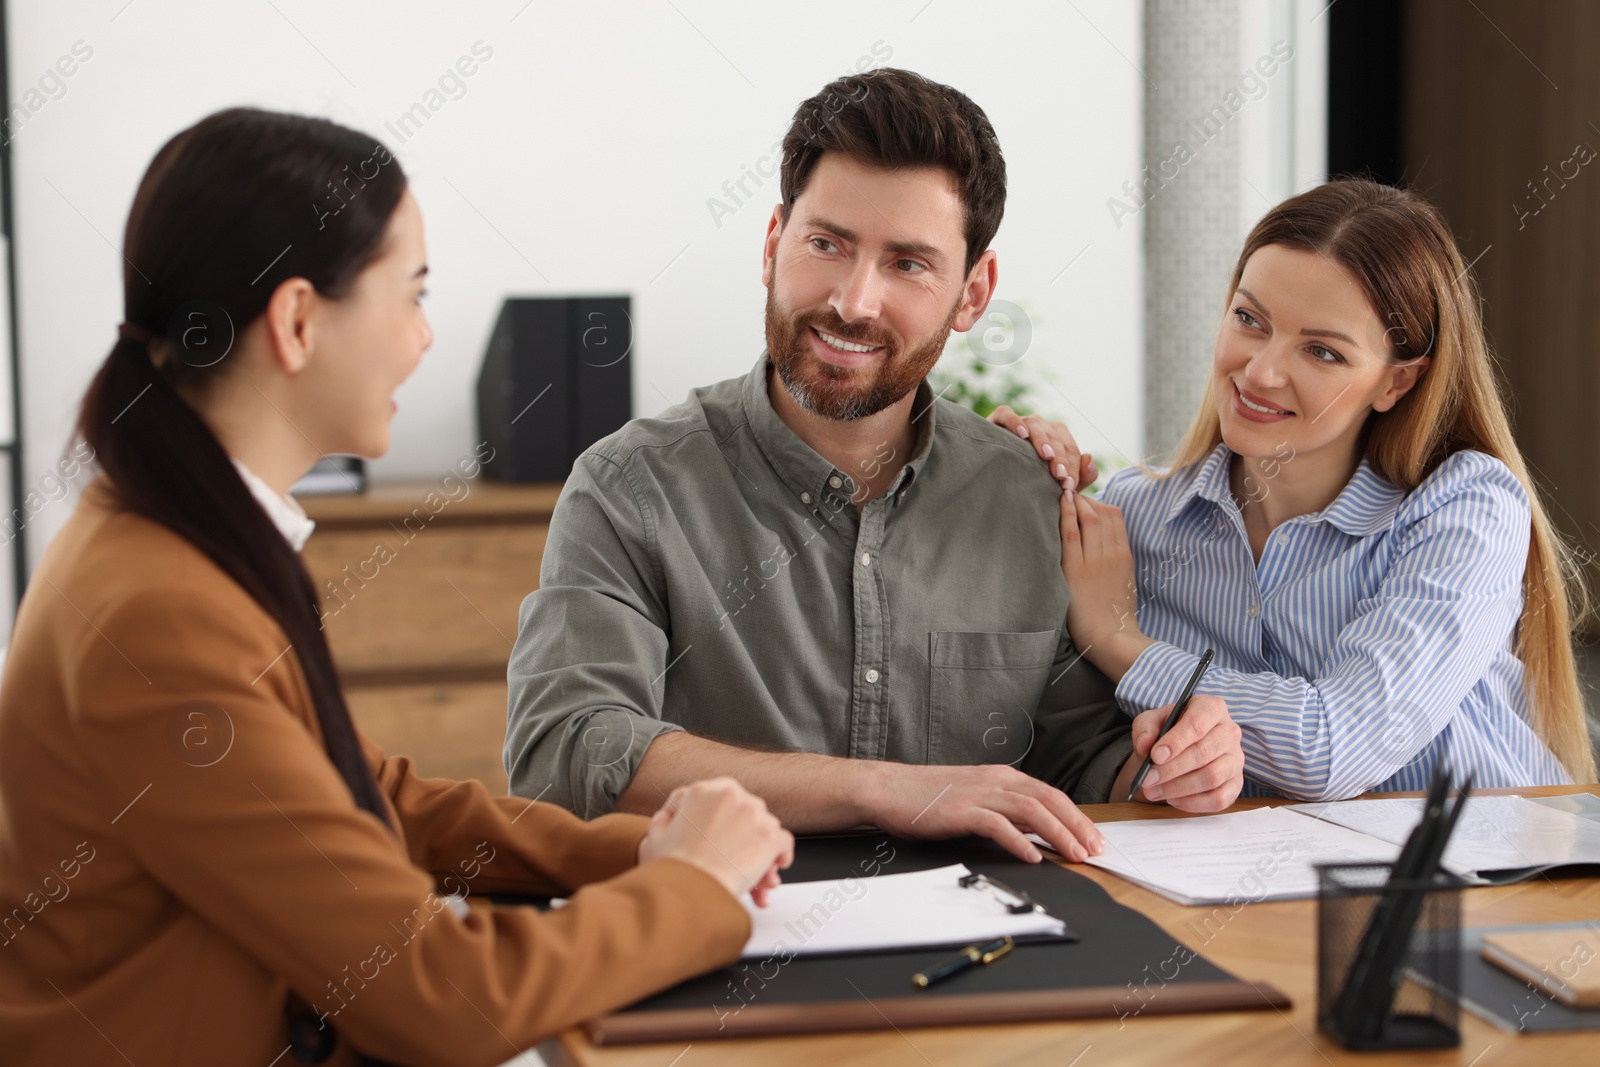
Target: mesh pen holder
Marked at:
1424, 960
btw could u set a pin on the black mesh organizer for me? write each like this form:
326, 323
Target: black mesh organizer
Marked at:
1404, 999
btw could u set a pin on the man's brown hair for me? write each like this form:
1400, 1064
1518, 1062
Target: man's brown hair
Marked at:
895, 118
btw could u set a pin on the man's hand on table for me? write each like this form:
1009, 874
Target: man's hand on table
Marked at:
991, 800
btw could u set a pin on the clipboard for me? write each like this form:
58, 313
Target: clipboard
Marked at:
1121, 965
946, 907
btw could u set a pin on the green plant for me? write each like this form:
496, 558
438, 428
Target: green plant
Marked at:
962, 377
972, 383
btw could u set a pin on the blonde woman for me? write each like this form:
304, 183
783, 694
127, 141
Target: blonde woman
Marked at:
1348, 523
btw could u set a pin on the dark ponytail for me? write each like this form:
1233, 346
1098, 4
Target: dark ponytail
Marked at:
227, 210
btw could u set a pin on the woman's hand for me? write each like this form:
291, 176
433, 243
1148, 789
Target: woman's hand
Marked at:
1054, 443
1199, 764
1098, 564
726, 831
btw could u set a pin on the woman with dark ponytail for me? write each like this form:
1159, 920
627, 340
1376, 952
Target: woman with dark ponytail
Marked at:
201, 860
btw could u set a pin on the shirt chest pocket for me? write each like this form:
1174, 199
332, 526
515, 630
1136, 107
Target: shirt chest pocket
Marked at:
983, 689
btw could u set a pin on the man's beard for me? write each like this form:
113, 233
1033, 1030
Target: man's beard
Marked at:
845, 394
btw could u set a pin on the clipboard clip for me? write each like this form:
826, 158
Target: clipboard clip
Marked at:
1015, 900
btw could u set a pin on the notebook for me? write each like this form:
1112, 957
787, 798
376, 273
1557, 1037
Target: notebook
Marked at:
1512, 1002
1559, 960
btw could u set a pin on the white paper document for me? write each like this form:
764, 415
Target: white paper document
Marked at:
1271, 853
888, 911
1583, 805
1495, 833
1245, 856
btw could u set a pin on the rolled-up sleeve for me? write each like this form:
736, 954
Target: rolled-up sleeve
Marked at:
592, 646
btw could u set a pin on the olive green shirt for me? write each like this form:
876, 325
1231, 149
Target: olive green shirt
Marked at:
707, 571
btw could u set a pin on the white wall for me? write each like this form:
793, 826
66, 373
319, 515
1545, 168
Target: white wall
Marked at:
580, 158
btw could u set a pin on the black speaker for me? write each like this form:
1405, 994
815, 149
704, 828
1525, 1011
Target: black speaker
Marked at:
556, 379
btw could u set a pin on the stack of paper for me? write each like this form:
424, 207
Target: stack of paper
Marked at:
1264, 854
1495, 833
1271, 853
1583, 805
889, 911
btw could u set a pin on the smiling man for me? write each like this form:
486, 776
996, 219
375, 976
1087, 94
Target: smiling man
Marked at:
822, 580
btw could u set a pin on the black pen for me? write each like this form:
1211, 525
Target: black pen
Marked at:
971, 956
1172, 720
1436, 857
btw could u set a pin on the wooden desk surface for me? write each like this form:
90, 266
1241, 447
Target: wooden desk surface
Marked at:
447, 501
1273, 942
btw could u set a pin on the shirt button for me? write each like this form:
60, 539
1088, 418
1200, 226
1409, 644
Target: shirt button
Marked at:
871, 676
835, 481
1253, 610
805, 498
866, 559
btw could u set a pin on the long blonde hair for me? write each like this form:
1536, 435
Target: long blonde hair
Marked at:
1402, 252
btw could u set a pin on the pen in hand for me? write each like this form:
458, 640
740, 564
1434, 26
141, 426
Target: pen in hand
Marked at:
1172, 720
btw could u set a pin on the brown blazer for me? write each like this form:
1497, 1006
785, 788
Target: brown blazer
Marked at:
177, 853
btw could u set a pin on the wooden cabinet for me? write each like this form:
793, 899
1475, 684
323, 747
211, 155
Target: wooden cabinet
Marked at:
420, 584
449, 729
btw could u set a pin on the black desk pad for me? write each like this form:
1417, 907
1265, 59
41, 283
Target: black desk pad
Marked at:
1123, 963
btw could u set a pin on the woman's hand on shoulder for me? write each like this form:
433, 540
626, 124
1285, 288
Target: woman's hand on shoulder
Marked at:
1054, 444
1097, 562
726, 831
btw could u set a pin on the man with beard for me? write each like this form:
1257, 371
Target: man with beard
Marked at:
822, 580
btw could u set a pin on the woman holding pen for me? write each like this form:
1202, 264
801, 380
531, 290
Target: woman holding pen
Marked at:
1349, 523
201, 859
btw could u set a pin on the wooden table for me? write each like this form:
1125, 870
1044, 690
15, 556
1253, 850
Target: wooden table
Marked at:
1273, 942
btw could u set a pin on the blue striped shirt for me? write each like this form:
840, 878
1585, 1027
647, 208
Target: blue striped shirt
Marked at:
1374, 636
